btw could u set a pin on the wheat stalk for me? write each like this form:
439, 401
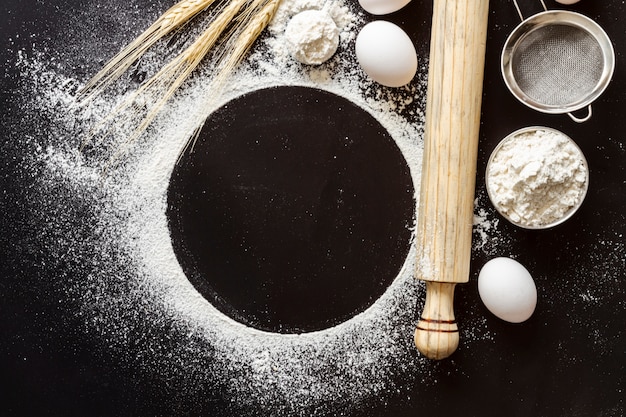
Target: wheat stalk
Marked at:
174, 18
239, 21
255, 19
161, 87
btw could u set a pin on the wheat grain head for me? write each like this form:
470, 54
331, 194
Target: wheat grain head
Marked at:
240, 22
172, 19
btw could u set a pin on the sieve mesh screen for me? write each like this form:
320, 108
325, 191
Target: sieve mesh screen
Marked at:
557, 65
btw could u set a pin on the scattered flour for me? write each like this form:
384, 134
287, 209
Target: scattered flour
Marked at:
133, 295
484, 227
104, 242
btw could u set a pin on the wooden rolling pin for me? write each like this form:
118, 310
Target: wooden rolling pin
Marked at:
453, 106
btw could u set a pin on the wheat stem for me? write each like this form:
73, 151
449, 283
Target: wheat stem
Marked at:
244, 20
255, 19
157, 90
169, 79
173, 18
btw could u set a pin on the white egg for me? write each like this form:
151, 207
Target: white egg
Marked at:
386, 53
507, 289
379, 7
567, 1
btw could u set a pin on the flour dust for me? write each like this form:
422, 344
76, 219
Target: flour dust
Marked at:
128, 288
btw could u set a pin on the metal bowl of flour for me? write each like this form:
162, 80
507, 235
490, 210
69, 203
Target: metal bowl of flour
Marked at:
537, 177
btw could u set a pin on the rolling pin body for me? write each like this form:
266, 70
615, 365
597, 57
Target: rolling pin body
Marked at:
445, 217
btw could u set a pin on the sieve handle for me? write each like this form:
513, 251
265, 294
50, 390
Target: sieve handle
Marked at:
519, 11
445, 217
581, 120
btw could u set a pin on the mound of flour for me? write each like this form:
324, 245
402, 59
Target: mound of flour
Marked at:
312, 37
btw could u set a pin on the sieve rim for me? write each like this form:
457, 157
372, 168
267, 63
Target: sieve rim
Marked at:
557, 17
572, 209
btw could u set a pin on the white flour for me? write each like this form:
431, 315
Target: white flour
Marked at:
133, 295
312, 37
537, 177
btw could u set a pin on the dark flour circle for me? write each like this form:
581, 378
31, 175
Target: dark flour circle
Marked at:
293, 212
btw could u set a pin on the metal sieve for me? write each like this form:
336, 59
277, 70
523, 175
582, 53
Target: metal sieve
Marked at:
557, 62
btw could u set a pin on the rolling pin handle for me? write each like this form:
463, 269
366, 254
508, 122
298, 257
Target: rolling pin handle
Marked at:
437, 334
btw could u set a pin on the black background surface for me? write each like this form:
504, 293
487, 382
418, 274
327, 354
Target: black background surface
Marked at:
567, 360
333, 205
